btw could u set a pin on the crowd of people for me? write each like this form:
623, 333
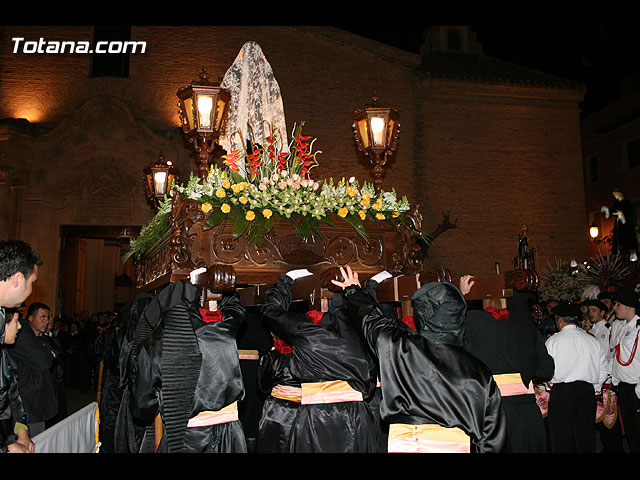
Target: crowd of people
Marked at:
42, 356
186, 374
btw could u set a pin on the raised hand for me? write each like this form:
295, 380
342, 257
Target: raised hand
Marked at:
466, 282
350, 278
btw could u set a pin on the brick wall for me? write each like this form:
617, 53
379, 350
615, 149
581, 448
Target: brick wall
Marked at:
495, 162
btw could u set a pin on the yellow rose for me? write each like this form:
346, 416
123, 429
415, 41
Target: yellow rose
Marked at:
226, 183
376, 206
266, 213
364, 202
236, 187
362, 214
243, 200
366, 196
380, 216
226, 208
250, 215
351, 191
395, 214
343, 212
220, 193
206, 207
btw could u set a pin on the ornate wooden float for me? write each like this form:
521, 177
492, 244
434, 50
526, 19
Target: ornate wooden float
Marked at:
231, 263
236, 263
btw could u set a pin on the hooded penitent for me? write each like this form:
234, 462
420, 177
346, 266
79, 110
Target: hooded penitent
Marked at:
439, 313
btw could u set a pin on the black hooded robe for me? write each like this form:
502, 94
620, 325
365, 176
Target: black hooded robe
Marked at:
127, 432
514, 346
429, 378
253, 340
220, 384
325, 352
280, 407
186, 364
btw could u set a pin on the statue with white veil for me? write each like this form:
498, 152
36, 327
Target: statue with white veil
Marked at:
256, 103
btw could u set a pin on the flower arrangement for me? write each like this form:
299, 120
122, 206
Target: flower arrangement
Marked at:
276, 184
561, 281
610, 272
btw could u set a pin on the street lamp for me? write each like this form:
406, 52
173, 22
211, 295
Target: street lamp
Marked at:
376, 128
594, 233
160, 176
204, 108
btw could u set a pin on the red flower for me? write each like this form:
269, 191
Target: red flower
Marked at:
282, 161
231, 158
271, 148
255, 160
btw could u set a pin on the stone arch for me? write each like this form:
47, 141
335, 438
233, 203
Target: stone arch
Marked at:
87, 171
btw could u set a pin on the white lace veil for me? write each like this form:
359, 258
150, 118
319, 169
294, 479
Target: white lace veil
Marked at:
255, 100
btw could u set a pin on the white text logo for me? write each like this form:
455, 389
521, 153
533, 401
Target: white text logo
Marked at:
69, 46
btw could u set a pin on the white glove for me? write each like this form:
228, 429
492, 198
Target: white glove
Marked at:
605, 210
295, 274
194, 274
621, 217
380, 277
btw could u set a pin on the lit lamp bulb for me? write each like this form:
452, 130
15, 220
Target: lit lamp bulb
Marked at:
160, 181
633, 256
594, 230
378, 130
205, 104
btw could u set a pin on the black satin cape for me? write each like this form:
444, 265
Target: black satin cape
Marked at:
220, 382
128, 432
180, 365
106, 349
430, 383
252, 335
514, 345
278, 415
325, 352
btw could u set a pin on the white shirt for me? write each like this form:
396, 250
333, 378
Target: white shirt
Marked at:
577, 356
626, 339
602, 334
616, 328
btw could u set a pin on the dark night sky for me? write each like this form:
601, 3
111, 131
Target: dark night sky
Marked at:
600, 57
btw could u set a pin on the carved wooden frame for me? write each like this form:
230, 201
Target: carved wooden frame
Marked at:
230, 262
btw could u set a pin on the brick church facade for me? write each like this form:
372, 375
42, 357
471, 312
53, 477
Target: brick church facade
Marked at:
493, 145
